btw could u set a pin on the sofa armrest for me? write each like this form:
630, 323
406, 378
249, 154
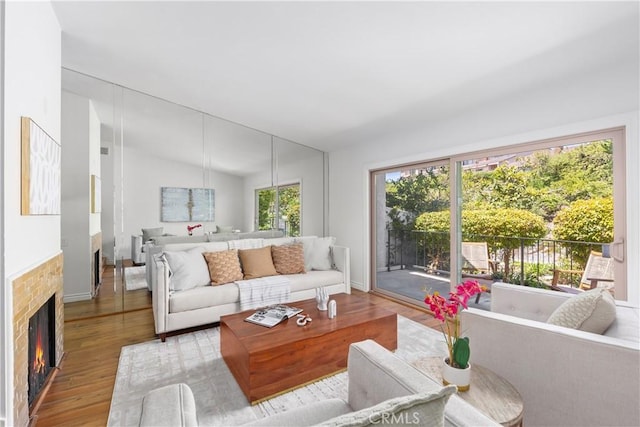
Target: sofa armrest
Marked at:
342, 262
150, 250
376, 375
524, 301
137, 255
565, 376
160, 291
172, 405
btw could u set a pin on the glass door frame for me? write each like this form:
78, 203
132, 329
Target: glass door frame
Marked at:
373, 246
616, 135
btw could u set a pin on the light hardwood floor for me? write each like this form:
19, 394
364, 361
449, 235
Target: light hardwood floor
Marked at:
113, 298
80, 395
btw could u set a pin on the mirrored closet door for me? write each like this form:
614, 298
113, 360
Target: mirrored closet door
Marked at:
140, 144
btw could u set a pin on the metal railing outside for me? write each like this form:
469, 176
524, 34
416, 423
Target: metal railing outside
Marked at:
521, 260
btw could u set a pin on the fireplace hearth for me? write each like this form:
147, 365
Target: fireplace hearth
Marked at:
41, 348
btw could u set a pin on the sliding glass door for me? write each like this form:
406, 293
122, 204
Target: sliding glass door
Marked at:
548, 214
410, 254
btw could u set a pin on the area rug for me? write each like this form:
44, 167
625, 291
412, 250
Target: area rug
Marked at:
195, 359
135, 278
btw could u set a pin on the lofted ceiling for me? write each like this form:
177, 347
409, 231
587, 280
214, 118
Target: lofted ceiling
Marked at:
328, 73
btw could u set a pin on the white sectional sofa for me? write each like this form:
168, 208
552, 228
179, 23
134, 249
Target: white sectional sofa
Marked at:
566, 377
180, 309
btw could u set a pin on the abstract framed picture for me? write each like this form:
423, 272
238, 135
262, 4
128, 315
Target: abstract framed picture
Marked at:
187, 204
96, 194
40, 180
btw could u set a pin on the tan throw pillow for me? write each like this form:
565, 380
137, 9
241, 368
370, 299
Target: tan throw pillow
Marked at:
591, 311
288, 259
224, 266
257, 262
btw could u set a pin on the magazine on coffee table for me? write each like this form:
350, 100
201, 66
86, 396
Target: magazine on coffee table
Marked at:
272, 315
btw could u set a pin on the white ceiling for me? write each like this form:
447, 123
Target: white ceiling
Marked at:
328, 73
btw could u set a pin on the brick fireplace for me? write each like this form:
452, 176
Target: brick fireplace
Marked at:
31, 291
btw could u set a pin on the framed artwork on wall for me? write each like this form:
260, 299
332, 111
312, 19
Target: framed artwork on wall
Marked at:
187, 204
40, 171
96, 194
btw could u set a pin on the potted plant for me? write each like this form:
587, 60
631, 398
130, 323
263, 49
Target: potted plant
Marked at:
456, 368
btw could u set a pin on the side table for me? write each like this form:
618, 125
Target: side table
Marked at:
489, 393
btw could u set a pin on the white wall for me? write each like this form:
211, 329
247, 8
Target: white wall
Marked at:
4, 365
250, 185
31, 88
108, 190
145, 174
94, 164
597, 100
308, 169
76, 242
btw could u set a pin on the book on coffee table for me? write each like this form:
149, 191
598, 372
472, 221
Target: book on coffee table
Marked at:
272, 315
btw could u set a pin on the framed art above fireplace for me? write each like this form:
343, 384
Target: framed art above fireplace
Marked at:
41, 160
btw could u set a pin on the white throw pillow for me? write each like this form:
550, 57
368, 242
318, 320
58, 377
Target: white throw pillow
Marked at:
188, 269
279, 241
317, 252
424, 408
246, 244
591, 311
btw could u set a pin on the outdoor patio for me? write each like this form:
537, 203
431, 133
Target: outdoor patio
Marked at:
415, 284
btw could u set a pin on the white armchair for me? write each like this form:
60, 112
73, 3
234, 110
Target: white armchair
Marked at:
565, 376
383, 390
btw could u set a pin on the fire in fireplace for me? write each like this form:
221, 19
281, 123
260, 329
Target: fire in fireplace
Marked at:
42, 347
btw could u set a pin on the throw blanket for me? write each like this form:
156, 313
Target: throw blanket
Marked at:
263, 291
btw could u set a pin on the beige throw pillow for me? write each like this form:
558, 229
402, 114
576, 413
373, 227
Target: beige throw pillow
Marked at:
257, 262
591, 311
288, 259
224, 266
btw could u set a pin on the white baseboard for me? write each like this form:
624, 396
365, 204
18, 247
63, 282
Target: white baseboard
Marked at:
359, 286
77, 297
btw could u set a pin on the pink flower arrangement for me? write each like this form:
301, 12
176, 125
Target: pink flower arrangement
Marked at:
190, 228
447, 311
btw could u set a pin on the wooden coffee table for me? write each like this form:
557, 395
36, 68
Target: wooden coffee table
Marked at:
269, 361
